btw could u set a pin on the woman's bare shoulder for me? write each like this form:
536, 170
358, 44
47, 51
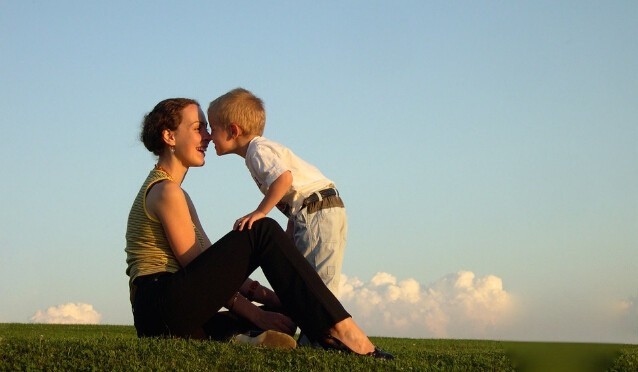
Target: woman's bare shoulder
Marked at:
165, 194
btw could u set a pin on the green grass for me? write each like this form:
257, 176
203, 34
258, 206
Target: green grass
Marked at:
102, 347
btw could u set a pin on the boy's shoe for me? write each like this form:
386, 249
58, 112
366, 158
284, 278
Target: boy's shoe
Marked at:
272, 339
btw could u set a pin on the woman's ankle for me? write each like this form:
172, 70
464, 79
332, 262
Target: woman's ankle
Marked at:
349, 333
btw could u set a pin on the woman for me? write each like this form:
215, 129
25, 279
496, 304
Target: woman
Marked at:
179, 281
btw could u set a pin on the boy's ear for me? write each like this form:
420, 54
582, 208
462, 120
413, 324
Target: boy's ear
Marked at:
168, 137
235, 130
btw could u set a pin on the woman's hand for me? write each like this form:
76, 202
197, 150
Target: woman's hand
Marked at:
269, 320
263, 319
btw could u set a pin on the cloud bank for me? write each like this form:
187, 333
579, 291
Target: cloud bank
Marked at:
456, 306
70, 313
626, 312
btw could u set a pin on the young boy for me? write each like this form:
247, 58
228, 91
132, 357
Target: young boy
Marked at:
316, 214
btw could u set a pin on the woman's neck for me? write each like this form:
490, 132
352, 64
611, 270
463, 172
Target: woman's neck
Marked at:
172, 168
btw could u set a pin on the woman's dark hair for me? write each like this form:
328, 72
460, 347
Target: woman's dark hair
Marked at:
165, 115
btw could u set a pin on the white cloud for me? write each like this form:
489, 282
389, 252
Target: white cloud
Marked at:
626, 319
70, 313
457, 306
628, 307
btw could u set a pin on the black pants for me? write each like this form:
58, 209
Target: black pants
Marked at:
179, 304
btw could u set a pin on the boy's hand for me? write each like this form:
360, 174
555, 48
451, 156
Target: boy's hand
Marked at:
247, 220
275, 192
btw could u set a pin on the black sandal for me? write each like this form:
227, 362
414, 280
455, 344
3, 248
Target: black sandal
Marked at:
330, 342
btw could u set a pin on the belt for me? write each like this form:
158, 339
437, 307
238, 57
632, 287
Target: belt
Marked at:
319, 195
313, 198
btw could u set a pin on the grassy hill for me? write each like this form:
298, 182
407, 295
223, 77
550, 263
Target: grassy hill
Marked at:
103, 347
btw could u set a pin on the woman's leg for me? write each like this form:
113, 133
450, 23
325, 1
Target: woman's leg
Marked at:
303, 294
223, 325
193, 295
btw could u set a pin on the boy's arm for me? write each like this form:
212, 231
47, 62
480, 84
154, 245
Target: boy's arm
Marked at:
276, 191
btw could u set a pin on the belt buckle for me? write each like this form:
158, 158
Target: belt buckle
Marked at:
320, 195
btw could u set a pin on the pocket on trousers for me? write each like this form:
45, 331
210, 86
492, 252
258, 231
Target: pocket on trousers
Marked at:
323, 257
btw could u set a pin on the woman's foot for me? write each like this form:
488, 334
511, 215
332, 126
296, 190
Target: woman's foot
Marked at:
332, 343
349, 333
347, 336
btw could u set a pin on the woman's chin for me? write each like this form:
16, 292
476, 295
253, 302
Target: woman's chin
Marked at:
199, 163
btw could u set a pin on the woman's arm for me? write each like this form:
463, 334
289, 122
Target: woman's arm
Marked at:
263, 319
167, 202
195, 219
254, 291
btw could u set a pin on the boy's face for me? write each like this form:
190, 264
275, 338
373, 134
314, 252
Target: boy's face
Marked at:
222, 138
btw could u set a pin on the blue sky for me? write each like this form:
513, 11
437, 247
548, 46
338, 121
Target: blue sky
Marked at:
487, 152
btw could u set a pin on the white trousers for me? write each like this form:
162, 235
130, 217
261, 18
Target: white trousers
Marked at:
321, 238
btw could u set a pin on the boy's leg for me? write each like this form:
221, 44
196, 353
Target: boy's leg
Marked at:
321, 238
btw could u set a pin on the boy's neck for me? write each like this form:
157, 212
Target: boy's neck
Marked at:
242, 144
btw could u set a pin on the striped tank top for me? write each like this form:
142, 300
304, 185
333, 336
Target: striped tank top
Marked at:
147, 248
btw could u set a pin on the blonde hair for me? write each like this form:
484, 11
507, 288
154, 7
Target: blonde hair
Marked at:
239, 107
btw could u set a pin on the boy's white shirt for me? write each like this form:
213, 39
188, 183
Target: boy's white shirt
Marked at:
267, 160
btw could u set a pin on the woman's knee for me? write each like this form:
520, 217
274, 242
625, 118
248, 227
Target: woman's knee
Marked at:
267, 223
268, 231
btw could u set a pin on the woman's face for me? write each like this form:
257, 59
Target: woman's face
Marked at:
191, 137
